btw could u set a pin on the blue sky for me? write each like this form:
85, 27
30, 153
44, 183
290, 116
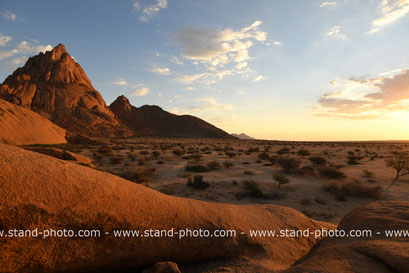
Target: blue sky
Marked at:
291, 70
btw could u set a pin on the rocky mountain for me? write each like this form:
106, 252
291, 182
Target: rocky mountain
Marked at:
242, 136
151, 120
54, 85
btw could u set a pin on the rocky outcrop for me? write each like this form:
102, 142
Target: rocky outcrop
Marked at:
20, 126
55, 86
376, 253
38, 191
62, 154
149, 120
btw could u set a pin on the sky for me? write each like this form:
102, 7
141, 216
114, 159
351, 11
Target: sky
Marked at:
281, 70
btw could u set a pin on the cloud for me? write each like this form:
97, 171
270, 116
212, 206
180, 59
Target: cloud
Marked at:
13, 63
216, 45
176, 60
334, 82
119, 82
221, 52
367, 97
140, 92
335, 32
391, 11
211, 103
19, 52
149, 11
189, 88
8, 15
159, 70
328, 4
137, 6
4, 39
258, 78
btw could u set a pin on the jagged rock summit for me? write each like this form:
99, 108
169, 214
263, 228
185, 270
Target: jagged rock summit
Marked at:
54, 85
151, 120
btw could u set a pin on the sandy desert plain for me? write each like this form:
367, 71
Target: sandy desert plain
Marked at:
242, 171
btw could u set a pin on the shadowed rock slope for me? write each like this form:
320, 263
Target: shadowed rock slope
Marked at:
38, 191
20, 126
369, 254
55, 86
151, 120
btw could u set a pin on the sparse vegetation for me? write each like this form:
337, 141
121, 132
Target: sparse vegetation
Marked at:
289, 164
197, 182
354, 188
331, 173
318, 160
281, 179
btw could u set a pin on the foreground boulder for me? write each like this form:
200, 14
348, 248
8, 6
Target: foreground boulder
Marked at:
20, 126
38, 191
377, 253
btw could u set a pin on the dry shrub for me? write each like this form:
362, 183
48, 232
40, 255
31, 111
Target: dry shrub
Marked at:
251, 189
289, 164
137, 173
214, 165
354, 188
331, 173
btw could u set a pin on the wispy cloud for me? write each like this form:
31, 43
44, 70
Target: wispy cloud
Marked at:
119, 82
4, 39
8, 15
335, 32
258, 78
328, 4
391, 11
149, 11
176, 60
361, 98
159, 70
140, 92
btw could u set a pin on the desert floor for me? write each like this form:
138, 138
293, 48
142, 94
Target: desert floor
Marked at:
160, 164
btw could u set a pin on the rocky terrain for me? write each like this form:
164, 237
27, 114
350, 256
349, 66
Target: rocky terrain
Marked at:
20, 126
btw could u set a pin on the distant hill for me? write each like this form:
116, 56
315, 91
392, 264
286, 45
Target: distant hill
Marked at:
242, 136
149, 120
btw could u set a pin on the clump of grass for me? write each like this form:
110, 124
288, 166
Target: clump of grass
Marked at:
168, 189
117, 159
251, 189
367, 173
230, 154
318, 160
248, 172
197, 168
331, 173
263, 156
214, 165
197, 182
281, 179
227, 164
